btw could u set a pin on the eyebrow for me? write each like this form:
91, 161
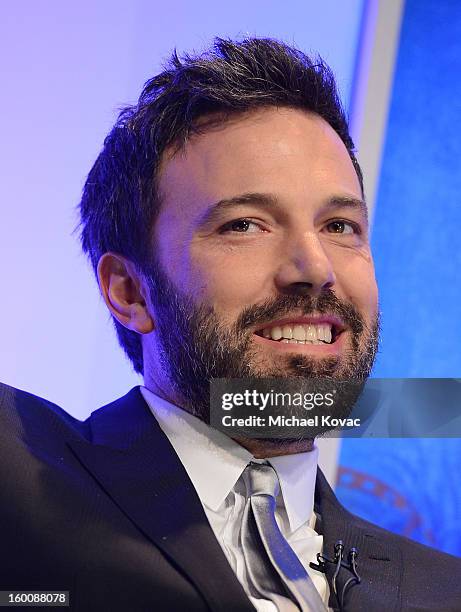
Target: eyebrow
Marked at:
270, 202
348, 202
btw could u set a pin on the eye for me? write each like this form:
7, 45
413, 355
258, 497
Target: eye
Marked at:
338, 226
242, 226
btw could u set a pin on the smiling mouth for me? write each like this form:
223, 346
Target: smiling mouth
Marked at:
294, 332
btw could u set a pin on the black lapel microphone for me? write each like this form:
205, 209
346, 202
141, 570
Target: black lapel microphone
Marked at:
339, 562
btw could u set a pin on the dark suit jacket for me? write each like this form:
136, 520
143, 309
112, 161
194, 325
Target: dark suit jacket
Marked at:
105, 510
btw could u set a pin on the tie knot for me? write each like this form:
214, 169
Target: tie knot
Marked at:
261, 480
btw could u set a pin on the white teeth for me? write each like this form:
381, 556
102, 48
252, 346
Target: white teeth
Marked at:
313, 334
287, 332
299, 332
276, 333
293, 341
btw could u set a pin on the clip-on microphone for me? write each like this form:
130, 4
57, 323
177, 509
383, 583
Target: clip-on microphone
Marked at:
338, 561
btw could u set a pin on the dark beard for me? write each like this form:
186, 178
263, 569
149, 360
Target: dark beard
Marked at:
195, 346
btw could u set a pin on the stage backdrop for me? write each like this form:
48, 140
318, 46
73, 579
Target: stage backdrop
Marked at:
413, 486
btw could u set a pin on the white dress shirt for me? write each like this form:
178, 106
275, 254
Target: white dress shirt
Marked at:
215, 463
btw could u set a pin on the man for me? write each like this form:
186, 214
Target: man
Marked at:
225, 221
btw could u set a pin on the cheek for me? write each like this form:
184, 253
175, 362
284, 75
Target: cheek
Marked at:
229, 283
356, 281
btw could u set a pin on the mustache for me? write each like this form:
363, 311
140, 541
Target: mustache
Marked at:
326, 303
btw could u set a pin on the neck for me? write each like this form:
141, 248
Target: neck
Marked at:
260, 449
264, 449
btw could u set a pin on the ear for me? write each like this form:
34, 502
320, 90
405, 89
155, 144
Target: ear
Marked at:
122, 290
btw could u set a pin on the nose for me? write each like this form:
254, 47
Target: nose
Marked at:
305, 267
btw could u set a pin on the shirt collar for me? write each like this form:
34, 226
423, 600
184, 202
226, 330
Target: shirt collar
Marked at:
297, 474
214, 462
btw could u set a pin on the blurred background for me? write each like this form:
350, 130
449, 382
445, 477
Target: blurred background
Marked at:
66, 69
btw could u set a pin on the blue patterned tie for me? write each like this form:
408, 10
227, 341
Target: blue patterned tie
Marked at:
265, 549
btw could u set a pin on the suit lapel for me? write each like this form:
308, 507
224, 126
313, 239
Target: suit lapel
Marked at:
379, 563
135, 463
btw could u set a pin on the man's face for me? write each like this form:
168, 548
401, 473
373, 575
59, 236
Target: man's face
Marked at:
260, 235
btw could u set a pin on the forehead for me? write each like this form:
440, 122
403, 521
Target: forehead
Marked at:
288, 152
